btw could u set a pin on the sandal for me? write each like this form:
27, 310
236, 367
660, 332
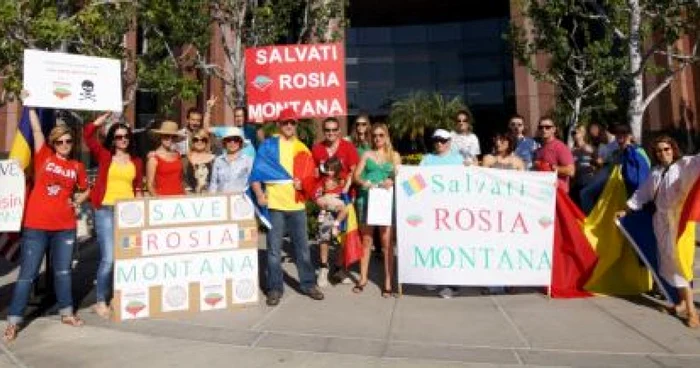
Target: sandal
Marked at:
73, 321
693, 321
10, 332
387, 293
102, 310
359, 288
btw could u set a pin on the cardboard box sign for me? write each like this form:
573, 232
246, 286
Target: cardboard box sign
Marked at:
180, 255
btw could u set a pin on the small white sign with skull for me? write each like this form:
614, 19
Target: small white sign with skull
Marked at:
69, 81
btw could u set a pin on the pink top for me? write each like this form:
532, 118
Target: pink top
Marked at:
556, 153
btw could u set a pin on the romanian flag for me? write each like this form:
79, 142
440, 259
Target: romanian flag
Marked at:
414, 184
267, 169
619, 270
686, 236
350, 237
23, 143
573, 258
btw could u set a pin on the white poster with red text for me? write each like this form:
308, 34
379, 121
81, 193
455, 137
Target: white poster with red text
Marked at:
474, 226
307, 78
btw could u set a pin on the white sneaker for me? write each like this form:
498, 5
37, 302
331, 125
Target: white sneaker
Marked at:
446, 293
322, 279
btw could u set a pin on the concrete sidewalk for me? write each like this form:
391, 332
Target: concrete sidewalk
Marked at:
349, 330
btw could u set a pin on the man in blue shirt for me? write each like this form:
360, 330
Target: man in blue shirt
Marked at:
526, 146
443, 155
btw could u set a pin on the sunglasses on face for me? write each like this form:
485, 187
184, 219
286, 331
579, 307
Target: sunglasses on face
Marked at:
331, 130
233, 139
440, 140
378, 135
663, 149
514, 124
198, 139
290, 122
545, 127
119, 137
462, 120
362, 123
62, 142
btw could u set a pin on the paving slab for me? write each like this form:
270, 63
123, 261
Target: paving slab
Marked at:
586, 360
452, 353
461, 320
573, 324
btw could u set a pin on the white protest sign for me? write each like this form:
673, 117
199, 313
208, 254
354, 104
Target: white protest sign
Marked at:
11, 195
68, 81
475, 226
380, 204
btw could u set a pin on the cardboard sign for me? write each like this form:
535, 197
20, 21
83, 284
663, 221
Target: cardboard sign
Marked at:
68, 81
12, 195
475, 226
308, 78
180, 255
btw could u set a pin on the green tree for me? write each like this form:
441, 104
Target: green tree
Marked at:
600, 48
580, 63
411, 117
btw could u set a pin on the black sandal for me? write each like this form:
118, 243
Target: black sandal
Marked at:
359, 288
387, 293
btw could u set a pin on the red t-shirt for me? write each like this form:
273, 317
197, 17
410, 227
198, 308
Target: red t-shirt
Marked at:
49, 206
346, 153
555, 152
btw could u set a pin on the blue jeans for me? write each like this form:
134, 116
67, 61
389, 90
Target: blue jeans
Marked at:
34, 244
104, 228
295, 221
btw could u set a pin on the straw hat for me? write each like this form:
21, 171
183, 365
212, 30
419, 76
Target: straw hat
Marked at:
169, 127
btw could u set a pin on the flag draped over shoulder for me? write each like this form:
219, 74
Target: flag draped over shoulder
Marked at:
619, 270
574, 259
267, 169
23, 143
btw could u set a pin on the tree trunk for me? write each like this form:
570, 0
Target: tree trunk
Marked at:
635, 111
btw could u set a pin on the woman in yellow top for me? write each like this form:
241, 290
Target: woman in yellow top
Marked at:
119, 176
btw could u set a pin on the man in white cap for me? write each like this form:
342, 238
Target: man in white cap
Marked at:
232, 168
444, 155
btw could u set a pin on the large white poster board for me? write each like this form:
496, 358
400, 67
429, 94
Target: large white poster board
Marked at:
68, 81
474, 226
12, 195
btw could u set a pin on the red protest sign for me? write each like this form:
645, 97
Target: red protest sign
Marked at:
308, 78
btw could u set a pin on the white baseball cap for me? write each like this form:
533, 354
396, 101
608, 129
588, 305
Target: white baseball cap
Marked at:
442, 133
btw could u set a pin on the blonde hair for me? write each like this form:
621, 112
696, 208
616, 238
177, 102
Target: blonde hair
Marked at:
59, 131
201, 134
388, 147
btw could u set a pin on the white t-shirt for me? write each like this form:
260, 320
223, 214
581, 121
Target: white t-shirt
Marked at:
466, 145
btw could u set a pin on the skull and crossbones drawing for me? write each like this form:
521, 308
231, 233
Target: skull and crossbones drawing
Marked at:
88, 92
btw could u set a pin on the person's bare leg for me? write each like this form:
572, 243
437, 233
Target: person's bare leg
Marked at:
323, 253
388, 251
687, 295
366, 232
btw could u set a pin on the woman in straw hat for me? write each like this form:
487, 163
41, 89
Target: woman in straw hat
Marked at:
164, 167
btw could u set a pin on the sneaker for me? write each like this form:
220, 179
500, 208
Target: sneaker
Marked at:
314, 293
446, 293
322, 278
273, 298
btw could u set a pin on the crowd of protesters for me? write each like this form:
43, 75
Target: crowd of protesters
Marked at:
199, 158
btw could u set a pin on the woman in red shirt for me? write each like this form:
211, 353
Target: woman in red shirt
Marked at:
49, 222
119, 176
164, 167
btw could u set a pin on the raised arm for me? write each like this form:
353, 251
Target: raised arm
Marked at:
206, 120
37, 133
89, 133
